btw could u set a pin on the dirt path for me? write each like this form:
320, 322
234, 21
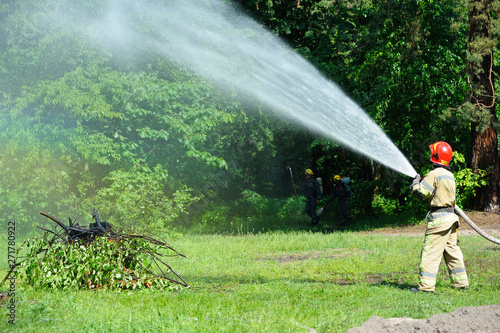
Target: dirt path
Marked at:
488, 222
483, 319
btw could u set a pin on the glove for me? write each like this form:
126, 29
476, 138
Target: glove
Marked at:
416, 180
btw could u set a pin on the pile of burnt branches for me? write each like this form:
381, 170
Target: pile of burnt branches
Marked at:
133, 259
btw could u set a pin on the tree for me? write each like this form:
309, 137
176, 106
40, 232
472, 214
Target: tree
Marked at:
482, 102
402, 61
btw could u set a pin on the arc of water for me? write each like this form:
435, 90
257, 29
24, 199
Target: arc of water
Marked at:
217, 41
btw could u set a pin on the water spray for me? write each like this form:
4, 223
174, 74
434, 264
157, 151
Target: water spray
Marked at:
218, 41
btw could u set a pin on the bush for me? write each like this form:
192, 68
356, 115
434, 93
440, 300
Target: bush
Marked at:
103, 263
140, 199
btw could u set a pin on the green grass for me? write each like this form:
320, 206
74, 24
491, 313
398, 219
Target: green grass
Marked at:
273, 282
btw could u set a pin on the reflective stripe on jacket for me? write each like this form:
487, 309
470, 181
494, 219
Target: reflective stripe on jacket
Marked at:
439, 187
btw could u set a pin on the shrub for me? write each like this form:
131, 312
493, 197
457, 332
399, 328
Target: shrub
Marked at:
467, 181
103, 263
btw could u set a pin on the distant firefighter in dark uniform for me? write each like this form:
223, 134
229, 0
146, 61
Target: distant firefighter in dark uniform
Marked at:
343, 193
312, 192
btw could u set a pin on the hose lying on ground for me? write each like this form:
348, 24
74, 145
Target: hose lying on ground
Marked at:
475, 227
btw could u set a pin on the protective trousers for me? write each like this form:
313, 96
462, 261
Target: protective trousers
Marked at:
344, 212
311, 209
435, 246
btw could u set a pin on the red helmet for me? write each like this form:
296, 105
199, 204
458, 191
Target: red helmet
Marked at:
441, 153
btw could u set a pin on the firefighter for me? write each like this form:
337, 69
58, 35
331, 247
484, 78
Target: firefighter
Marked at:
441, 235
343, 193
312, 191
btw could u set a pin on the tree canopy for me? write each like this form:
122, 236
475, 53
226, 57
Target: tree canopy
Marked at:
146, 139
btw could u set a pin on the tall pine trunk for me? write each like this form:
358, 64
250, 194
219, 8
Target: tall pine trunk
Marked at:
483, 129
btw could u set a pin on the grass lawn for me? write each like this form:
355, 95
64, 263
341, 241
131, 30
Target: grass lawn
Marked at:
273, 282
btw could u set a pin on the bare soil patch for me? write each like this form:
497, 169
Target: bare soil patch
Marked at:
483, 319
331, 253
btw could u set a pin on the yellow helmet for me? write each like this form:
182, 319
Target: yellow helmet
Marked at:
336, 177
309, 172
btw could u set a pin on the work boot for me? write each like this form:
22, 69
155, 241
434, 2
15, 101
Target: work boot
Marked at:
416, 290
461, 288
314, 222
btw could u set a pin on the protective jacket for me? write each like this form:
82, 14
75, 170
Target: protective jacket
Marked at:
341, 191
438, 187
311, 189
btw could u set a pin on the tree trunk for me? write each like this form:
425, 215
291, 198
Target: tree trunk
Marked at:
483, 129
484, 156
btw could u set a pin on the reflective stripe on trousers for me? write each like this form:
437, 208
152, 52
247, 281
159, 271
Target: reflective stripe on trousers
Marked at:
437, 245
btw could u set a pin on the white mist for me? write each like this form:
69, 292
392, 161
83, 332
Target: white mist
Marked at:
228, 48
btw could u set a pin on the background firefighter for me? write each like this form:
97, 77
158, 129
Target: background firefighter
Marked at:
312, 192
441, 237
343, 193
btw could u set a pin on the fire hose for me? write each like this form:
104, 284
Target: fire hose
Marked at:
475, 227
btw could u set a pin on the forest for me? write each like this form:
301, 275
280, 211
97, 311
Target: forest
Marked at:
100, 107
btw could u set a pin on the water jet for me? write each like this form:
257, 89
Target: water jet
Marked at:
217, 41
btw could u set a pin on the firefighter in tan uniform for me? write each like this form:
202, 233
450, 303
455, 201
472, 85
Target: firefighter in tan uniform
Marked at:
441, 237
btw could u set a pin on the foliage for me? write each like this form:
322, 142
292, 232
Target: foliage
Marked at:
383, 206
109, 117
139, 199
103, 263
30, 183
251, 213
144, 199
467, 182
